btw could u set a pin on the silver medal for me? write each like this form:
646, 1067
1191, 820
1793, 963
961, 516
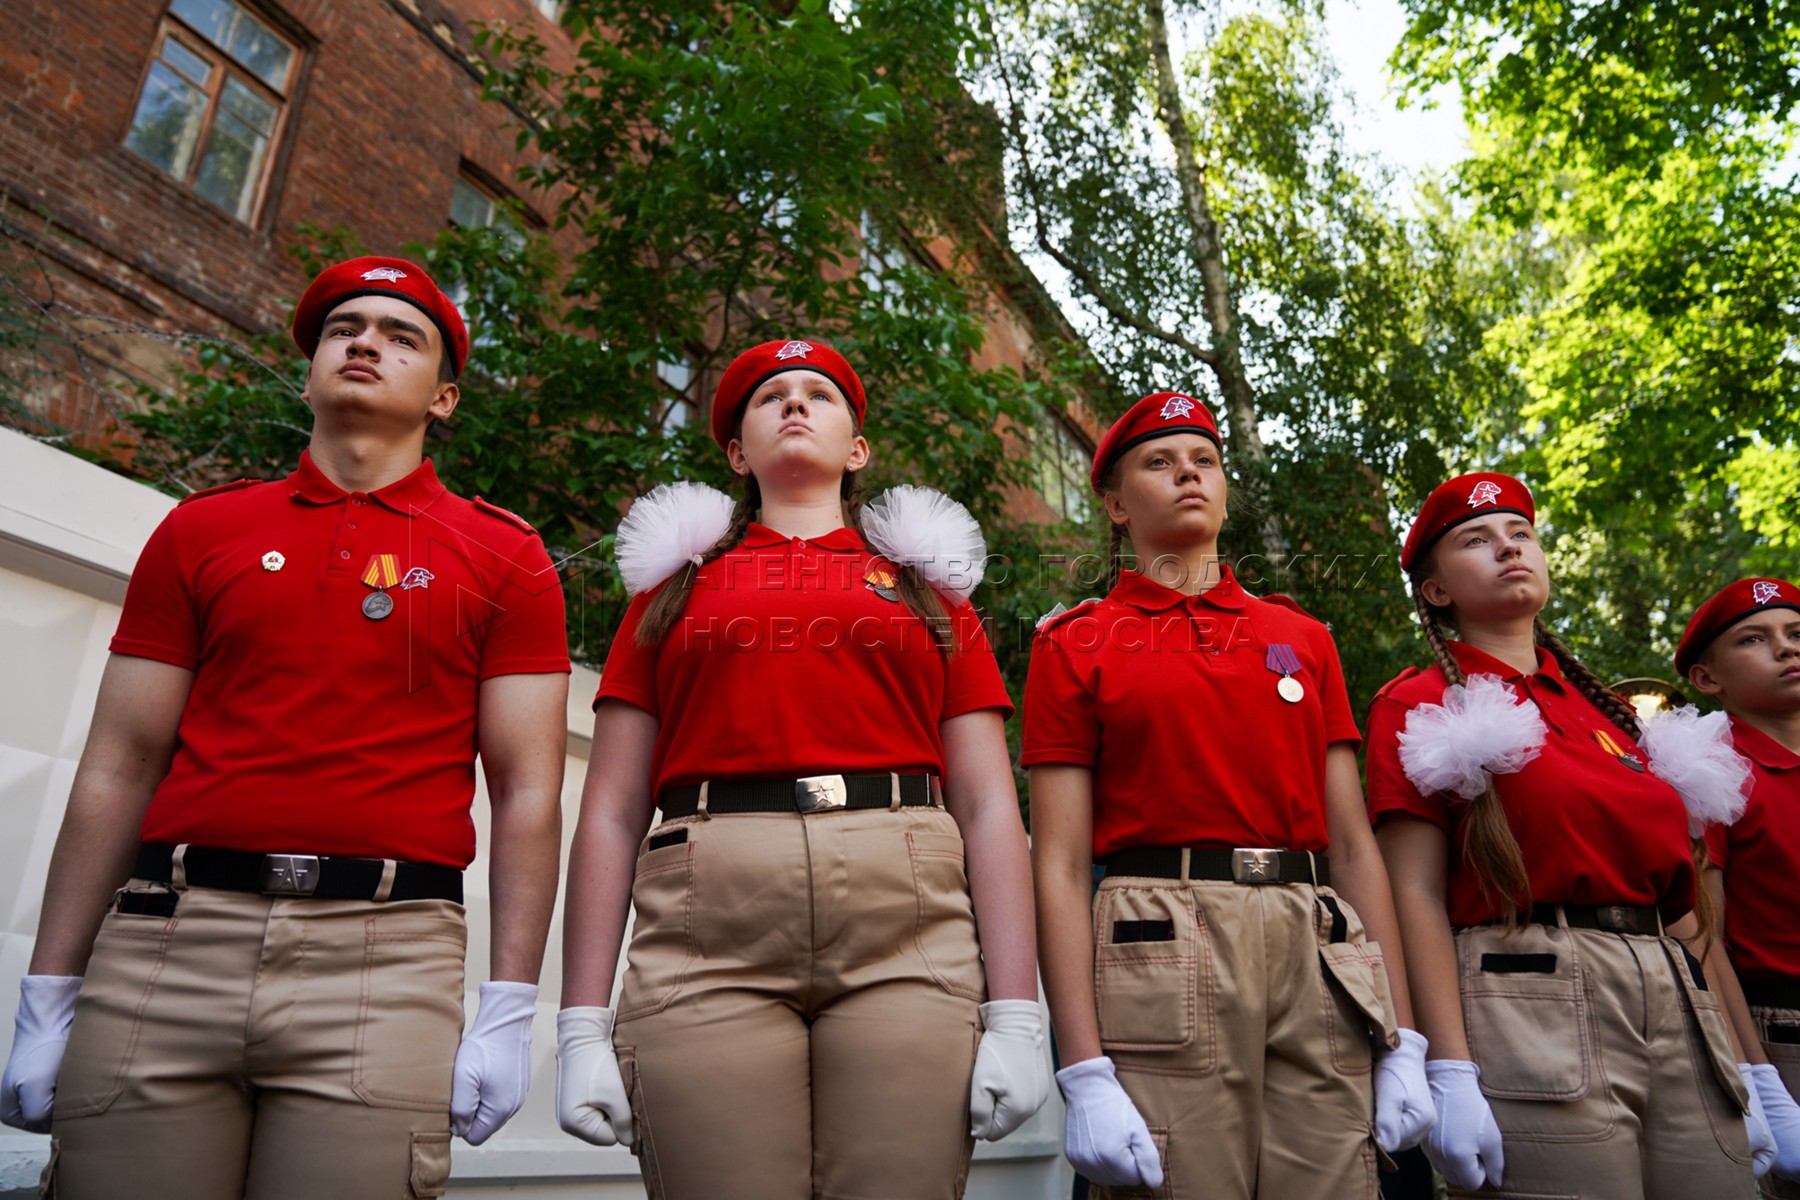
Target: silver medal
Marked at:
1291, 689
377, 605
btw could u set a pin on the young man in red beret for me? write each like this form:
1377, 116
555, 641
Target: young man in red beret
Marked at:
248, 974
1742, 648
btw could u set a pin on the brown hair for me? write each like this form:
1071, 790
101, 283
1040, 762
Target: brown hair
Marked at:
915, 591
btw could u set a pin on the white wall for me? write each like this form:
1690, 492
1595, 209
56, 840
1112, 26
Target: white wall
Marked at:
69, 535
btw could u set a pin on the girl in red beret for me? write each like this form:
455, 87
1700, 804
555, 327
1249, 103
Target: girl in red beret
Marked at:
1222, 1004
830, 987
1543, 874
1742, 648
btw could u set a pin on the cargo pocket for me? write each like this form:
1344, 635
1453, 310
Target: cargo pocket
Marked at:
1708, 1039
662, 931
643, 1142
1358, 1004
945, 932
409, 1015
1153, 973
1160, 1136
1525, 1005
129, 953
430, 1165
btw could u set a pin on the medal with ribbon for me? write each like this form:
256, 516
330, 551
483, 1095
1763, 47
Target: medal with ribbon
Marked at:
1284, 662
383, 572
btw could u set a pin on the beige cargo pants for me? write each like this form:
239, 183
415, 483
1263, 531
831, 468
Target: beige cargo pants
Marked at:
799, 1011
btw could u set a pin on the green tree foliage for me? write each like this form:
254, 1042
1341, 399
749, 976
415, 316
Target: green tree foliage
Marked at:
1630, 161
1361, 328
735, 173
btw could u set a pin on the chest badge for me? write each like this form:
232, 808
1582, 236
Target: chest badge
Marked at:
883, 583
1610, 743
417, 577
383, 572
274, 560
1284, 662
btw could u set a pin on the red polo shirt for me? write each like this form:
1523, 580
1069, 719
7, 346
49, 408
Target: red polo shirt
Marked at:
311, 728
1172, 701
795, 658
1593, 828
1760, 856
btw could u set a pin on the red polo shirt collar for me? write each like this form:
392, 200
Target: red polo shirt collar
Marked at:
1473, 661
759, 537
1140, 592
1763, 749
408, 497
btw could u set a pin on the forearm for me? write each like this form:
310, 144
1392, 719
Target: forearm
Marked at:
1360, 876
999, 870
93, 857
602, 861
1066, 954
525, 850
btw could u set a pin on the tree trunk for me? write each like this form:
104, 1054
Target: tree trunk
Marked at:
1216, 303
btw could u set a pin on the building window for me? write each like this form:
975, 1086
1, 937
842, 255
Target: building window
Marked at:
550, 8
212, 101
1059, 464
678, 378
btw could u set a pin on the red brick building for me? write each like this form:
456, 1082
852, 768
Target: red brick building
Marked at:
158, 159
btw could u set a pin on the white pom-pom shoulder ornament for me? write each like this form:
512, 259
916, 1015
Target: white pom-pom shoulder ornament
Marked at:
1480, 730
669, 527
917, 527
1695, 755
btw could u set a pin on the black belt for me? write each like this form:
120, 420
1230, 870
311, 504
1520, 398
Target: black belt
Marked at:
816, 793
1609, 918
320, 876
1772, 993
1205, 862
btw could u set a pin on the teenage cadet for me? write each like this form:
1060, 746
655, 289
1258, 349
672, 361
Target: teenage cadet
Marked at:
1539, 867
1742, 648
802, 1012
281, 763
1217, 1002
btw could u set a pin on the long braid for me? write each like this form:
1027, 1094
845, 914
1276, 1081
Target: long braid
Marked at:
1620, 713
915, 591
1489, 848
1610, 703
667, 606
1115, 558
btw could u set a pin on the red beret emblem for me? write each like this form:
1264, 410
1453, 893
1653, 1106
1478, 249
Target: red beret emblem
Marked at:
388, 273
1177, 406
1763, 591
793, 350
1486, 492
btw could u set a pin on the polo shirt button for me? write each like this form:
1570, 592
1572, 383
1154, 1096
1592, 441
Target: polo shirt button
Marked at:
343, 554
352, 524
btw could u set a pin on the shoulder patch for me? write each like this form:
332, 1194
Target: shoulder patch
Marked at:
1284, 601
511, 518
234, 486
1397, 680
1059, 614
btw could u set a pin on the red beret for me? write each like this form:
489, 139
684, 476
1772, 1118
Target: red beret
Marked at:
1463, 499
1733, 603
1156, 415
749, 370
379, 277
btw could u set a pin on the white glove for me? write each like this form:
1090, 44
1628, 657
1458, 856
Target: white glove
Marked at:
1105, 1138
1464, 1145
1012, 1079
1403, 1107
590, 1093
493, 1064
40, 1035
1756, 1125
1783, 1116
